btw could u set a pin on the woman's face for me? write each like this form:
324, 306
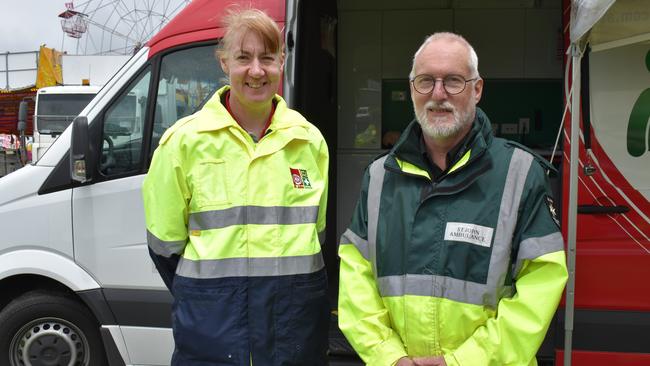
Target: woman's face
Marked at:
254, 71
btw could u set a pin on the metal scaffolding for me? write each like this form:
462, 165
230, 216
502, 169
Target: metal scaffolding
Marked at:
6, 68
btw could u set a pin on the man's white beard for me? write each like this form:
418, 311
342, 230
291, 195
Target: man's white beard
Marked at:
439, 129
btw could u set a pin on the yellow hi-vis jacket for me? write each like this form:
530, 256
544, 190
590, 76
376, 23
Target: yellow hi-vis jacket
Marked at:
232, 225
469, 266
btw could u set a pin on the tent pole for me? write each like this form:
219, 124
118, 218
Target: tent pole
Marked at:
573, 203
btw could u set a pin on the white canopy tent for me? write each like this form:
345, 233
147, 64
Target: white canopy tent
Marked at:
602, 24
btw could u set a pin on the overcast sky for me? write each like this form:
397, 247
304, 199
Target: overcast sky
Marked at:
24, 26
27, 24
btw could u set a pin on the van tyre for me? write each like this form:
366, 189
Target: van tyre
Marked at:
42, 328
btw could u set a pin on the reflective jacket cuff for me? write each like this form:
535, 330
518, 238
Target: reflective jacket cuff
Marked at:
166, 267
469, 353
387, 353
450, 360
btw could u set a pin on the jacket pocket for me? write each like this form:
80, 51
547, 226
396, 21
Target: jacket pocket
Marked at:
211, 183
209, 323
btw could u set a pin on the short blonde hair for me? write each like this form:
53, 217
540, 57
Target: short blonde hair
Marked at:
240, 21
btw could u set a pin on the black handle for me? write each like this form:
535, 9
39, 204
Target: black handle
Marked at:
290, 41
602, 210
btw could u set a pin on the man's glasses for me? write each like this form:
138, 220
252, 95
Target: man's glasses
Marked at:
453, 84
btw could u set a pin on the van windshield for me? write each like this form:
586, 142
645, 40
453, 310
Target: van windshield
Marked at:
54, 112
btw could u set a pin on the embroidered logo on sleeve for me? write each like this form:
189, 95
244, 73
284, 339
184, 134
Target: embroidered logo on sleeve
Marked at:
300, 178
552, 210
469, 233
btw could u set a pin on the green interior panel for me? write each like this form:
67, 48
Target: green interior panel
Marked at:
507, 102
396, 106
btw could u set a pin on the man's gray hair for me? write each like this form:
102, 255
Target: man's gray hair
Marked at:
473, 58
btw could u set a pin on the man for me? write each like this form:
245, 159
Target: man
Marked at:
454, 255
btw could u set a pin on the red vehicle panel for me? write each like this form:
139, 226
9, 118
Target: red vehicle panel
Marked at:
603, 359
200, 21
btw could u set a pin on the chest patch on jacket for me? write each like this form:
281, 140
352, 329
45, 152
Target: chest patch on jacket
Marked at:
300, 178
469, 233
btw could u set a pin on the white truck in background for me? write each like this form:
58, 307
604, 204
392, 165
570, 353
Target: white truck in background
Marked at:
56, 107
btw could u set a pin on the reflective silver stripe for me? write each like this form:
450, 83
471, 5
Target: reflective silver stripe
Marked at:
321, 237
438, 286
502, 245
165, 248
532, 248
250, 267
375, 187
349, 237
255, 215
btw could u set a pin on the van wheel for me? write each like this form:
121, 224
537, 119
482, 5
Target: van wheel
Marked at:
43, 328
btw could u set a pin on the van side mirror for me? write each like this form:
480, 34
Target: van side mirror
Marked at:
80, 168
22, 116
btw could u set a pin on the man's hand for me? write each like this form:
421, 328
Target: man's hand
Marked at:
405, 361
429, 361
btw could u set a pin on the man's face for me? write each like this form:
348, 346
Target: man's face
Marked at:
440, 114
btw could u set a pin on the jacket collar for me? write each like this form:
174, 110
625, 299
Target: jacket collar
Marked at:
410, 149
218, 116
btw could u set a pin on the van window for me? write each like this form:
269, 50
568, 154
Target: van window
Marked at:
187, 79
123, 126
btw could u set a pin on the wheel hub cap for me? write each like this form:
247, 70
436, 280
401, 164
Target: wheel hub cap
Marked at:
48, 342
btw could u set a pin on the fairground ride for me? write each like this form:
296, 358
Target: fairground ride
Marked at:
115, 27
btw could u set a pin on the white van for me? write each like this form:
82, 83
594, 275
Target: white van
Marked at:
77, 284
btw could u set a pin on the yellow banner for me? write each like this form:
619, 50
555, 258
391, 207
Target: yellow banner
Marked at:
49, 68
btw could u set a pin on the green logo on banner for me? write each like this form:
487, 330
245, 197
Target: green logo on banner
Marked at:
638, 134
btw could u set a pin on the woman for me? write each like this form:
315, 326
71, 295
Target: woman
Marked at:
235, 204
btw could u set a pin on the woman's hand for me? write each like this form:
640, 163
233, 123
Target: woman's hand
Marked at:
429, 361
405, 361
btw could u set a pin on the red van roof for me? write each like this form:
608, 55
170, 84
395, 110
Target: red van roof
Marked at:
201, 21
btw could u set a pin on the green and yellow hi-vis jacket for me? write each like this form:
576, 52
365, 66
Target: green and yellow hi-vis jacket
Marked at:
470, 266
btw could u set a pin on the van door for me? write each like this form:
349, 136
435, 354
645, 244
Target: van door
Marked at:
108, 215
